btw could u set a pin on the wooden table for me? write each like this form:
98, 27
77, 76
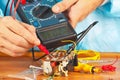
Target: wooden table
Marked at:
10, 65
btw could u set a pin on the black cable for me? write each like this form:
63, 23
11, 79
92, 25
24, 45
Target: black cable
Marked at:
83, 33
80, 33
81, 36
6, 7
36, 59
86, 31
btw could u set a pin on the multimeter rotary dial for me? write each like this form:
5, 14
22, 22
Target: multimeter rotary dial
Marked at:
42, 12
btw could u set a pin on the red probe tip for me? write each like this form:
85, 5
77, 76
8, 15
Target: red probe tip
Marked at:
43, 48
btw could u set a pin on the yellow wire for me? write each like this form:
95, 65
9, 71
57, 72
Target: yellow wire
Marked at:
83, 54
69, 41
87, 54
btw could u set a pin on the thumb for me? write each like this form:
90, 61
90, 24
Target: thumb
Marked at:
63, 5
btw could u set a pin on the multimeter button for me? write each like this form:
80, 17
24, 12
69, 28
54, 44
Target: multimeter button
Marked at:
35, 23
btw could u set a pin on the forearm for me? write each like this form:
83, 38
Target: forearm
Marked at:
90, 5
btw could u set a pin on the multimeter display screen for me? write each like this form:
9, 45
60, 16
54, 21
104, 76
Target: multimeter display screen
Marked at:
51, 34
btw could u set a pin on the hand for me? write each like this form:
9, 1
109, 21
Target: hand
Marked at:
76, 10
16, 37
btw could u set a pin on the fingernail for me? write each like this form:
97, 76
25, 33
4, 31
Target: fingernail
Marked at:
57, 9
37, 42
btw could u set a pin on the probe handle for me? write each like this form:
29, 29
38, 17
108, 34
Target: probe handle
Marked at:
43, 48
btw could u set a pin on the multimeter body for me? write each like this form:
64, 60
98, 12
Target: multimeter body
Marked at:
51, 28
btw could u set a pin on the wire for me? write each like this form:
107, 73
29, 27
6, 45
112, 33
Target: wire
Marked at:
109, 67
70, 41
11, 5
88, 55
85, 32
82, 34
6, 7
16, 6
36, 59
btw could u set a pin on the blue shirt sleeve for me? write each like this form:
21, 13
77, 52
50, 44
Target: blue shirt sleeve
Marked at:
1, 14
3, 4
104, 36
111, 8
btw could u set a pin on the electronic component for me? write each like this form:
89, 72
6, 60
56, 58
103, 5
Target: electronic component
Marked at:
51, 28
82, 67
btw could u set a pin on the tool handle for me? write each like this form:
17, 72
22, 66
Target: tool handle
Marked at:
43, 48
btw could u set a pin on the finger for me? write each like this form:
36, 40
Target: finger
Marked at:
82, 9
75, 15
17, 28
32, 30
63, 5
11, 47
8, 52
13, 38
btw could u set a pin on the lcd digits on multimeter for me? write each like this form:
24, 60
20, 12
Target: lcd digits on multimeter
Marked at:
51, 28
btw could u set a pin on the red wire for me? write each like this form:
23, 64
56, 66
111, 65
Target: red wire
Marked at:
17, 4
115, 60
15, 8
11, 5
109, 67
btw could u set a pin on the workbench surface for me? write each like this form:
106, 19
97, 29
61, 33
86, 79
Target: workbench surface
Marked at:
14, 65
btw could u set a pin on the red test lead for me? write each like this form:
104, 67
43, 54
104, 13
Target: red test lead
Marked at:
43, 48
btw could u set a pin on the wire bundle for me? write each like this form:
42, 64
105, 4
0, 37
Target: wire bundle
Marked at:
11, 7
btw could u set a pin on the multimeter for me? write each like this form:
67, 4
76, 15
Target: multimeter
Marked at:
51, 28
